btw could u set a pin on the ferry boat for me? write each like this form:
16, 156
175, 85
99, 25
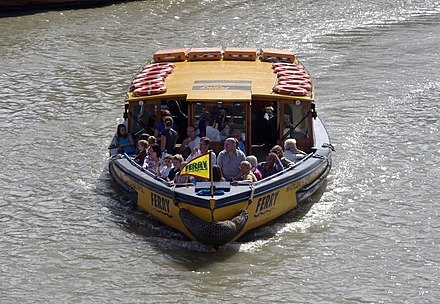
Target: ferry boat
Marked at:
25, 5
267, 94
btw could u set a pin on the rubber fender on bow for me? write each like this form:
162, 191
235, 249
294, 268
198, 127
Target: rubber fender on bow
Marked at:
215, 233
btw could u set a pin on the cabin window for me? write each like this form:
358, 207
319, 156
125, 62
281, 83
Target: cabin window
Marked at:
219, 121
143, 118
295, 117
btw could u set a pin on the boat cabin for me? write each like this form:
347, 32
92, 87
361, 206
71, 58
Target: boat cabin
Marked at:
232, 93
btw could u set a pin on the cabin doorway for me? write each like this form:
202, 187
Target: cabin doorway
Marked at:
265, 121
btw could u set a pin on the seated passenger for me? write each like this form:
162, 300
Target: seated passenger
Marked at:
166, 166
202, 149
144, 136
212, 132
122, 142
271, 166
252, 159
176, 160
168, 138
237, 135
279, 152
179, 179
152, 161
291, 152
245, 173
189, 143
142, 147
230, 159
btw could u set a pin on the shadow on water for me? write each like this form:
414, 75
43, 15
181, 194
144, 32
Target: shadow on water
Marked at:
176, 245
30, 9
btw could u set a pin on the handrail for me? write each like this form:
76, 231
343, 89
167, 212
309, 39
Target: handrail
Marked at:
286, 169
243, 183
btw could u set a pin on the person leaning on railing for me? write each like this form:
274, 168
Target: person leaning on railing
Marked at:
291, 152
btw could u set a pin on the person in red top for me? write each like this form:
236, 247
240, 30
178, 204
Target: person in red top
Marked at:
253, 160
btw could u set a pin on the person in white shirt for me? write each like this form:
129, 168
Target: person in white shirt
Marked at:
202, 149
212, 132
291, 152
190, 143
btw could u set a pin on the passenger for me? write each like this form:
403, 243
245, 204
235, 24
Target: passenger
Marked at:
151, 141
179, 179
271, 166
212, 132
166, 166
142, 147
161, 125
152, 161
223, 119
177, 160
202, 149
237, 135
253, 160
144, 136
123, 141
230, 158
189, 143
245, 174
197, 127
279, 152
168, 137
203, 121
291, 152
217, 174
270, 132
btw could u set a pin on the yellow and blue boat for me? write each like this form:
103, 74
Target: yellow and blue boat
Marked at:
269, 97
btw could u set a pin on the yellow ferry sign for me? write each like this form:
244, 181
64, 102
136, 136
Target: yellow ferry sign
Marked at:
198, 167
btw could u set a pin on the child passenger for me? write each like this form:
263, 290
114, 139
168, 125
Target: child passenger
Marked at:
142, 147
166, 166
177, 161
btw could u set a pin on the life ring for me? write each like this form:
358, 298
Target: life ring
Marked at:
158, 69
278, 64
150, 77
302, 84
149, 83
289, 90
294, 77
149, 90
159, 64
296, 73
151, 74
288, 68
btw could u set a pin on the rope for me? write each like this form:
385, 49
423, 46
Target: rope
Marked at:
252, 195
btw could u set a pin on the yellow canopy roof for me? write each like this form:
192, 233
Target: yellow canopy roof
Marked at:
220, 80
